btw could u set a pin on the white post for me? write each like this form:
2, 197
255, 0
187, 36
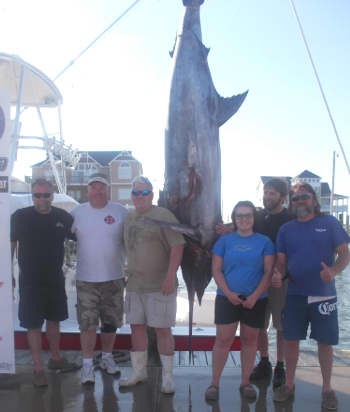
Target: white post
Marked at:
7, 351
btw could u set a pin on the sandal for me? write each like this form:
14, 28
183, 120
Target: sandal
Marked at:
248, 392
212, 393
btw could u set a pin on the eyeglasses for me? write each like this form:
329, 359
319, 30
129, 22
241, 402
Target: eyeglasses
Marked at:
240, 216
40, 195
304, 196
144, 192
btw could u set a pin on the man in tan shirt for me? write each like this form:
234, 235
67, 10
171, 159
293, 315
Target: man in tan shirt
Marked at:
154, 254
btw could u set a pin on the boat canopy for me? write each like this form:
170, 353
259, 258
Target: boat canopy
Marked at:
37, 90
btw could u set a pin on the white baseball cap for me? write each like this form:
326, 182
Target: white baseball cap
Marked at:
98, 177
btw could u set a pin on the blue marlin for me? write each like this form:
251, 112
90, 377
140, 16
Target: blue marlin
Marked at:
192, 186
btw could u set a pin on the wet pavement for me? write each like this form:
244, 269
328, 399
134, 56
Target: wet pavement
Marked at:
66, 394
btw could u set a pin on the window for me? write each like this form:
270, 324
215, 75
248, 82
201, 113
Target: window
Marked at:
124, 171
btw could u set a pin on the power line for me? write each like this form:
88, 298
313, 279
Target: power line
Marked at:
96, 39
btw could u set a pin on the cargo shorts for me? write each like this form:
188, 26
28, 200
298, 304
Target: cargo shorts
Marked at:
100, 303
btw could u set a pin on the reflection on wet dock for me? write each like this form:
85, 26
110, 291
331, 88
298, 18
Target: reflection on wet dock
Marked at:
66, 394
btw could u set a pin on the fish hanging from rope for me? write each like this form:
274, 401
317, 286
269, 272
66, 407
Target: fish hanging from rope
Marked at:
192, 186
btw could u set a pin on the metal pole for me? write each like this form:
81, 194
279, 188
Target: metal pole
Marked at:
332, 189
14, 140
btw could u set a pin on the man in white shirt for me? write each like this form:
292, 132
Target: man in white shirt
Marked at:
98, 226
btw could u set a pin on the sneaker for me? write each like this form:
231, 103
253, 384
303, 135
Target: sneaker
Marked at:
87, 375
108, 364
248, 392
283, 393
39, 379
329, 401
61, 365
262, 370
279, 377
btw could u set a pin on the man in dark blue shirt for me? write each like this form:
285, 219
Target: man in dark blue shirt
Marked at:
306, 247
39, 232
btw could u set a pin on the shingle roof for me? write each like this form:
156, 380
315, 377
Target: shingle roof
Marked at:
265, 179
306, 174
104, 157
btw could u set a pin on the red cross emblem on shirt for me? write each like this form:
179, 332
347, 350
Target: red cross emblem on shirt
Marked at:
109, 219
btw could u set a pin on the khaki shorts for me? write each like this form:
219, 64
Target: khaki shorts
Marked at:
153, 309
275, 304
100, 301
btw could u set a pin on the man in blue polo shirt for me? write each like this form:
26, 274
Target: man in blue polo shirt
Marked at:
306, 248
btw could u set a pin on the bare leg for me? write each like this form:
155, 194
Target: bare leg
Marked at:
325, 357
263, 343
165, 341
138, 338
225, 335
34, 341
53, 336
249, 339
107, 341
292, 355
280, 345
88, 342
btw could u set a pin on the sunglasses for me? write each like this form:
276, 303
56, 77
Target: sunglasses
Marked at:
304, 196
40, 195
241, 216
144, 192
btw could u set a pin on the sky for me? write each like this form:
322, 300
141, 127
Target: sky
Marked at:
115, 95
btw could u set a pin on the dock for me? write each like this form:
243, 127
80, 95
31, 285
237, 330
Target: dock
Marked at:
66, 394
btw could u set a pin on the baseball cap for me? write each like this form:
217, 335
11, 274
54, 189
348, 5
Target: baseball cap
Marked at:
98, 177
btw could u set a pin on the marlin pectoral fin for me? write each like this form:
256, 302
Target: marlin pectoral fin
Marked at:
176, 227
228, 107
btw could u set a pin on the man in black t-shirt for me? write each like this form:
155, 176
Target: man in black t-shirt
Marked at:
268, 222
39, 232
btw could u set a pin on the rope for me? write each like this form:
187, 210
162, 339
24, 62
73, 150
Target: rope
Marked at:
95, 40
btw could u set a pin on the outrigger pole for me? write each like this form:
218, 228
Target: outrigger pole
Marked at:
319, 84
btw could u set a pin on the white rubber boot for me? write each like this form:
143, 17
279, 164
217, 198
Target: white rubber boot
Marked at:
168, 385
139, 369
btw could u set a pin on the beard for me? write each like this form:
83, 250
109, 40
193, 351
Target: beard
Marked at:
302, 210
270, 205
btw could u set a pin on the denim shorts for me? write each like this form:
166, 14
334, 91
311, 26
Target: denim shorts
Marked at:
322, 317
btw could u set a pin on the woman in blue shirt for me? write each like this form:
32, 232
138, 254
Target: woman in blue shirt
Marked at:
242, 267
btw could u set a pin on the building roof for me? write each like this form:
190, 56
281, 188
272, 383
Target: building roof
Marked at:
105, 157
102, 157
125, 155
265, 179
306, 174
